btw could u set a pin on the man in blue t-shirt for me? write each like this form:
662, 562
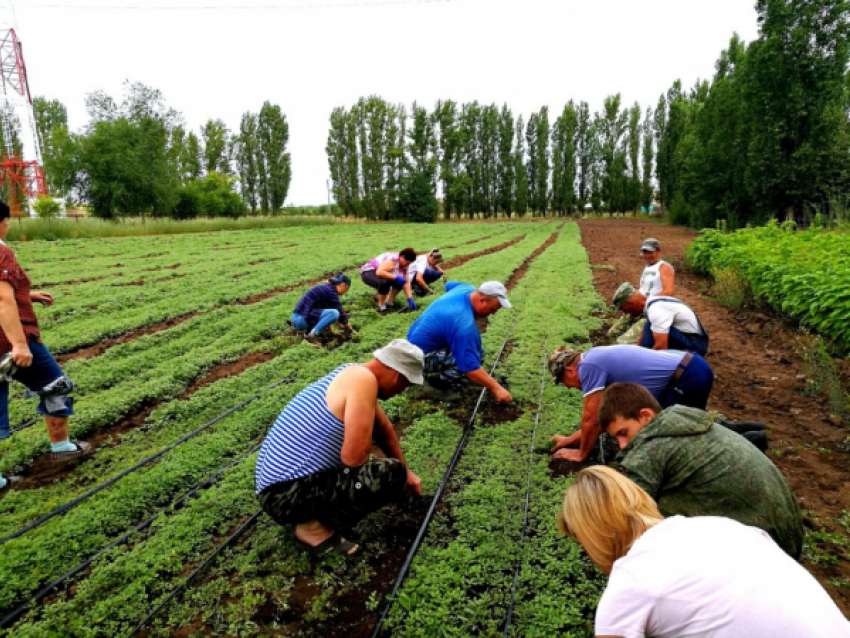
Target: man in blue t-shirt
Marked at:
449, 336
673, 377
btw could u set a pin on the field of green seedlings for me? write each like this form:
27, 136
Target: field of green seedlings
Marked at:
803, 275
182, 355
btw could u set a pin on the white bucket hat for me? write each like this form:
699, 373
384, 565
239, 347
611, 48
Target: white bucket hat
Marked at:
402, 356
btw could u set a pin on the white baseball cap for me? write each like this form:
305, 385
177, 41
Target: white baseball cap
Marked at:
402, 356
497, 290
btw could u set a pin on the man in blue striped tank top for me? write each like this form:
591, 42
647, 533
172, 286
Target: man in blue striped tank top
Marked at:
314, 469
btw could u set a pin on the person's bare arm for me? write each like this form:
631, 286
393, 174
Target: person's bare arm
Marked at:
385, 270
385, 436
420, 279
668, 280
590, 430
660, 341
480, 378
361, 399
10, 322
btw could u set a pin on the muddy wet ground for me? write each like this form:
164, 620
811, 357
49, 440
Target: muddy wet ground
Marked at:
761, 369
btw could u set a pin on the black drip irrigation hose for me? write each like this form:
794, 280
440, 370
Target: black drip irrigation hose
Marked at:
420, 535
45, 591
24, 426
524, 527
87, 495
198, 571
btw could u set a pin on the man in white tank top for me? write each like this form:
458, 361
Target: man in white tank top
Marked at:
658, 276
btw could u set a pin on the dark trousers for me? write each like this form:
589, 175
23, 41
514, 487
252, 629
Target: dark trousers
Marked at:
441, 371
694, 386
676, 340
429, 277
379, 283
337, 498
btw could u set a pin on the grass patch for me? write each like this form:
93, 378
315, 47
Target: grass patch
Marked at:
29, 229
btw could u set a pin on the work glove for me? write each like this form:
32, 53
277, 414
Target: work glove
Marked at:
400, 280
411, 304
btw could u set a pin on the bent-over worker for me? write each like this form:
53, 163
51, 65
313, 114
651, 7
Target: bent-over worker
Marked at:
449, 336
425, 271
387, 274
314, 468
701, 577
673, 377
693, 466
320, 307
670, 323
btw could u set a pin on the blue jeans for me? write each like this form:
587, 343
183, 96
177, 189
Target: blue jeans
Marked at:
316, 321
676, 340
694, 386
42, 372
429, 276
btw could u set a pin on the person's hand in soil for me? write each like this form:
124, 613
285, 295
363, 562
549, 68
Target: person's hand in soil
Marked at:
570, 455
44, 298
502, 395
414, 484
559, 442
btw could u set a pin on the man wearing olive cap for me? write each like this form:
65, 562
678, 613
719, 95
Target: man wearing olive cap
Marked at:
670, 323
425, 271
671, 376
449, 336
314, 468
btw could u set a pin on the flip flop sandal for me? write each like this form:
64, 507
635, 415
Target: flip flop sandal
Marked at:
83, 450
335, 543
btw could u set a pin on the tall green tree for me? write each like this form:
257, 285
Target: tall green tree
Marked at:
585, 140
248, 160
216, 137
647, 156
633, 143
564, 135
520, 205
275, 162
505, 165
449, 145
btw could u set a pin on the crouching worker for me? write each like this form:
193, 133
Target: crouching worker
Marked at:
425, 271
314, 468
387, 274
320, 308
695, 467
679, 576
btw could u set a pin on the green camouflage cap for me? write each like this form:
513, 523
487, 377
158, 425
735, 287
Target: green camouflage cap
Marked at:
560, 360
623, 293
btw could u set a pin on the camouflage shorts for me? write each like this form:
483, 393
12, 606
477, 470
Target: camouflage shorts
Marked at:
441, 370
338, 498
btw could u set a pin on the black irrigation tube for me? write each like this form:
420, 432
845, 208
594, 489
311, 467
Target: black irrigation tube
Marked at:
73, 503
420, 535
524, 527
24, 425
45, 591
198, 571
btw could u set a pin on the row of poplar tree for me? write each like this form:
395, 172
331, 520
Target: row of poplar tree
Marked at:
483, 160
135, 157
768, 136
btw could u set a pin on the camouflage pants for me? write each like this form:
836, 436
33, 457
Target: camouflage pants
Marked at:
338, 498
441, 370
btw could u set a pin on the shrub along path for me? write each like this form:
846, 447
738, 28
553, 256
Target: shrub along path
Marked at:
761, 368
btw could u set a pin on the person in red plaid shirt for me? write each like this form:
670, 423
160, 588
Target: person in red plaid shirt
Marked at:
34, 366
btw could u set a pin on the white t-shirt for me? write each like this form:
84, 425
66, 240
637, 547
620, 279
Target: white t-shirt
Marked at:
662, 315
650, 279
713, 577
420, 265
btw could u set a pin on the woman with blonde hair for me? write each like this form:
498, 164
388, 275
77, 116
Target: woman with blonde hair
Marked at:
704, 576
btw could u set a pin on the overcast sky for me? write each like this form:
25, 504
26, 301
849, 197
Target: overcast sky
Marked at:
310, 56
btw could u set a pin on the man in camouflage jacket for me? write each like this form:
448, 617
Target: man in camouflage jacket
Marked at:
692, 466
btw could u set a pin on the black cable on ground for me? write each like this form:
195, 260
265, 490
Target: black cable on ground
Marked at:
420, 535
509, 617
198, 571
24, 426
74, 502
42, 593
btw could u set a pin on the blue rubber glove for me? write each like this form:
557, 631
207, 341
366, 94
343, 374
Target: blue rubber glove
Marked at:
400, 280
411, 304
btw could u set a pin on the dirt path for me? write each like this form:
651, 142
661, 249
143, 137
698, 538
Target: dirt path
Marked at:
759, 364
